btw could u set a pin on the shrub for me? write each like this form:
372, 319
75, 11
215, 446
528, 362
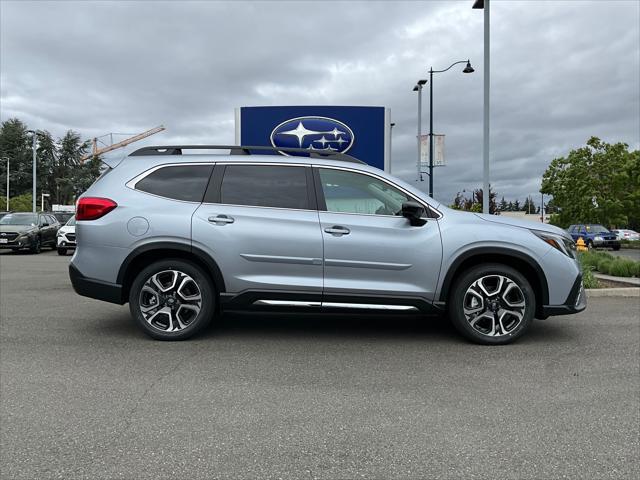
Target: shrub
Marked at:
588, 279
621, 268
603, 265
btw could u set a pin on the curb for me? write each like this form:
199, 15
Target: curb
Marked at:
634, 281
613, 292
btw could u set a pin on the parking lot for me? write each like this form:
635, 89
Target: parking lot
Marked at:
84, 394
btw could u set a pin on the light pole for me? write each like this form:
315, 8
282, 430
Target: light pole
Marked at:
33, 147
418, 88
7, 159
484, 4
467, 69
391, 125
42, 195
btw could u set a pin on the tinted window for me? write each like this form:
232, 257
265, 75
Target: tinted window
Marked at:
184, 182
351, 192
265, 186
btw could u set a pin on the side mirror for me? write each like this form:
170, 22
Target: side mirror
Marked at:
414, 212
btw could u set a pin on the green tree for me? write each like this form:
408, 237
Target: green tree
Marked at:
503, 205
15, 144
598, 183
516, 206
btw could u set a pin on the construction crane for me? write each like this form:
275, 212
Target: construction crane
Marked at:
98, 151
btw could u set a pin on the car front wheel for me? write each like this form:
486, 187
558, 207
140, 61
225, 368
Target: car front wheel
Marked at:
492, 304
36, 246
62, 251
172, 299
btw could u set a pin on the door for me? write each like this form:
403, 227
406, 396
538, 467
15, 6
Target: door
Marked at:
370, 250
260, 223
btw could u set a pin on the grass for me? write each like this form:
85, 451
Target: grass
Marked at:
608, 264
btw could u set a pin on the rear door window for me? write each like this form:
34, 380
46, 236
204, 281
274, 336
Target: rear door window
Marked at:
265, 186
182, 182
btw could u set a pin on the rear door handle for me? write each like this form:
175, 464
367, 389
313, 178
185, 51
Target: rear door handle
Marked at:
338, 230
221, 219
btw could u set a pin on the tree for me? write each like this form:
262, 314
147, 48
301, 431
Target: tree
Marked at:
598, 183
529, 206
503, 205
516, 206
474, 202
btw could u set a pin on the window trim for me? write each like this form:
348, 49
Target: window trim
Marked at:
433, 213
135, 180
218, 176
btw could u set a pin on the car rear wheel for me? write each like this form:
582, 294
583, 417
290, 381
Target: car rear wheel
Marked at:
492, 304
62, 251
172, 299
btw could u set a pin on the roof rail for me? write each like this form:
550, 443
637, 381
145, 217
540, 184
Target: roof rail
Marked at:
241, 150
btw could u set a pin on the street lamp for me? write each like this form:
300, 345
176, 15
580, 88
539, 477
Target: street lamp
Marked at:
484, 4
391, 125
467, 69
418, 88
42, 200
33, 147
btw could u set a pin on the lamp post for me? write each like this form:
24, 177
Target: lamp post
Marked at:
33, 147
391, 125
484, 4
7, 159
467, 69
42, 195
418, 88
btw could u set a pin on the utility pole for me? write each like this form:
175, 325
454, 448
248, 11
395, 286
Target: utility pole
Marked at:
484, 4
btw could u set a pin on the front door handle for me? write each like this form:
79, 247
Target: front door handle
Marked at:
221, 219
338, 230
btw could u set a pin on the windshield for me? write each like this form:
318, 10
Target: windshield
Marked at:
71, 222
19, 219
596, 229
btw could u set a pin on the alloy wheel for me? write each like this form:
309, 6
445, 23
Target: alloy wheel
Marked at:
494, 305
170, 300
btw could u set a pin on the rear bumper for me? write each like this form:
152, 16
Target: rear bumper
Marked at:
575, 302
88, 287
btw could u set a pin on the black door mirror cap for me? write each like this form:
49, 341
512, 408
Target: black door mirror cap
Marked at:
415, 213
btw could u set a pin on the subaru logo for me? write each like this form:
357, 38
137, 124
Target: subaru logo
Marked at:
313, 133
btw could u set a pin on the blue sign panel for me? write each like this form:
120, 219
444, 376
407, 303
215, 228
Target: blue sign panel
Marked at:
361, 132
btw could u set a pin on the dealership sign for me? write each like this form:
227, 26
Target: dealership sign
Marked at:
363, 132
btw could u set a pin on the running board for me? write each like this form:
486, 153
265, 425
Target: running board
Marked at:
366, 306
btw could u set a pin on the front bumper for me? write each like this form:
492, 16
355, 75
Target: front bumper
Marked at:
576, 301
64, 242
19, 242
88, 287
606, 243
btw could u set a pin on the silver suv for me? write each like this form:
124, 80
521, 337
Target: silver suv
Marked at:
182, 237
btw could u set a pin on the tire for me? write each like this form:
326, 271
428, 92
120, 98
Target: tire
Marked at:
173, 310
36, 247
590, 245
511, 299
62, 251
616, 247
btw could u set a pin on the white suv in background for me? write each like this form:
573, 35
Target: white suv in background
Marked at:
67, 237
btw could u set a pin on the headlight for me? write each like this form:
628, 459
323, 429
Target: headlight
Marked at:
597, 238
559, 242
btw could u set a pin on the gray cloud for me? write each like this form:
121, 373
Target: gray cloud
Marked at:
561, 72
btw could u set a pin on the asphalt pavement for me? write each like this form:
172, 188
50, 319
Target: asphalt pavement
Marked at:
632, 253
84, 394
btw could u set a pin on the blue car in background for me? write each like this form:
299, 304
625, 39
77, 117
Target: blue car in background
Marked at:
594, 236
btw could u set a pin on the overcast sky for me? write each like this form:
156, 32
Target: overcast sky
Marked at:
562, 71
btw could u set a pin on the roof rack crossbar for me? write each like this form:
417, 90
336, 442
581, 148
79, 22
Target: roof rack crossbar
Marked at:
241, 150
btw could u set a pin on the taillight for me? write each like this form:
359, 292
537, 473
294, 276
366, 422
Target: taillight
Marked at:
92, 208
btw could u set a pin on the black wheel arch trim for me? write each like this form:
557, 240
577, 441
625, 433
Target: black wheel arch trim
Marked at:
506, 252
201, 255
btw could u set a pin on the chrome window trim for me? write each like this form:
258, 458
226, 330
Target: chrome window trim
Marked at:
134, 181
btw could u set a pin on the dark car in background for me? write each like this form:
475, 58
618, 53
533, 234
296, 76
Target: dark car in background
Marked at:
63, 217
594, 236
28, 230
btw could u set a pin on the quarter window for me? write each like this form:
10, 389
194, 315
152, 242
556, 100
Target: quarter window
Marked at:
265, 186
350, 192
184, 182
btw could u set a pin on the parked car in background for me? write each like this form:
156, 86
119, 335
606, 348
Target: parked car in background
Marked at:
28, 230
624, 234
594, 236
67, 236
2, 214
63, 217
182, 237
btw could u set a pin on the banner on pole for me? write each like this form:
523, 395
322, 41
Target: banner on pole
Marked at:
438, 151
